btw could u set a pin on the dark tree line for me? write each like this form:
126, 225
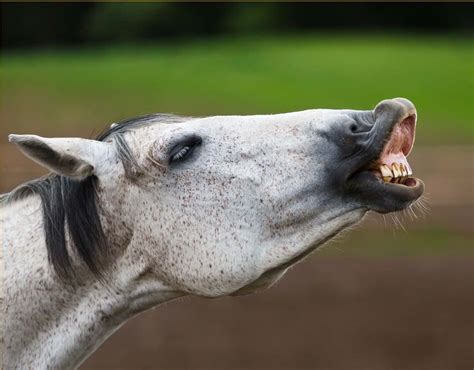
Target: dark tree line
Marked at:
70, 24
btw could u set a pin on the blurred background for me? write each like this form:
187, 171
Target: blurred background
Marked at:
395, 293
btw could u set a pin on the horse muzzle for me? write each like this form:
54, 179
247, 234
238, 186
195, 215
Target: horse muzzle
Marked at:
381, 177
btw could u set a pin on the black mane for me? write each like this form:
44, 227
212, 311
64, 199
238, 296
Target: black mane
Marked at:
69, 206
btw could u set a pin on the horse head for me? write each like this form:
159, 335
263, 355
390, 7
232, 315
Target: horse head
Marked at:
226, 204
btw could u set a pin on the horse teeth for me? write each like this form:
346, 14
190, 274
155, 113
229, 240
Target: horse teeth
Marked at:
385, 171
397, 173
404, 170
396, 170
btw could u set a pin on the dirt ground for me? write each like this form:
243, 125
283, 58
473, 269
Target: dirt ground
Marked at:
327, 313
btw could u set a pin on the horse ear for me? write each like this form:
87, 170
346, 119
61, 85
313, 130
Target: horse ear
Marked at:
73, 157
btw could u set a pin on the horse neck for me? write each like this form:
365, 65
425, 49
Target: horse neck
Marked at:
53, 324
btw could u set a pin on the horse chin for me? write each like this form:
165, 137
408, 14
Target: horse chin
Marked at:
265, 281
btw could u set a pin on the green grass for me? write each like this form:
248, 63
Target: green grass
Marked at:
88, 88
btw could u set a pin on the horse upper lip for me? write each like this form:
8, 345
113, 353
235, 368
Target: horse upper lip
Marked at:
393, 133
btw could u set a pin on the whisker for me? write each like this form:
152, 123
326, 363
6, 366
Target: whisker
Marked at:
400, 223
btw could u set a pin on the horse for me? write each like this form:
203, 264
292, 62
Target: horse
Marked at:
163, 206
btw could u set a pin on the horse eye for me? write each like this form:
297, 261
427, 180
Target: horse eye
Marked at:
184, 150
183, 153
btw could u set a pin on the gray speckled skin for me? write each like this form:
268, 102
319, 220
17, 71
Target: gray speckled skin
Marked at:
258, 195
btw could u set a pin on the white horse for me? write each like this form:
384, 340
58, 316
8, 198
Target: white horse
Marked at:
160, 207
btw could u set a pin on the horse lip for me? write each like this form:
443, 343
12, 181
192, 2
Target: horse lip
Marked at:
382, 197
362, 183
387, 115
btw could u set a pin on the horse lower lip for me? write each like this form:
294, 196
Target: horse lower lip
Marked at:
369, 190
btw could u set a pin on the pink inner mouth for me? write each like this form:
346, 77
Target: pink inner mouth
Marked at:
398, 147
400, 143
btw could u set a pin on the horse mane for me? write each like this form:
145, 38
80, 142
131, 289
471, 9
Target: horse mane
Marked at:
69, 207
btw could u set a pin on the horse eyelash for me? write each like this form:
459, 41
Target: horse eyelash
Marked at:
186, 149
183, 152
